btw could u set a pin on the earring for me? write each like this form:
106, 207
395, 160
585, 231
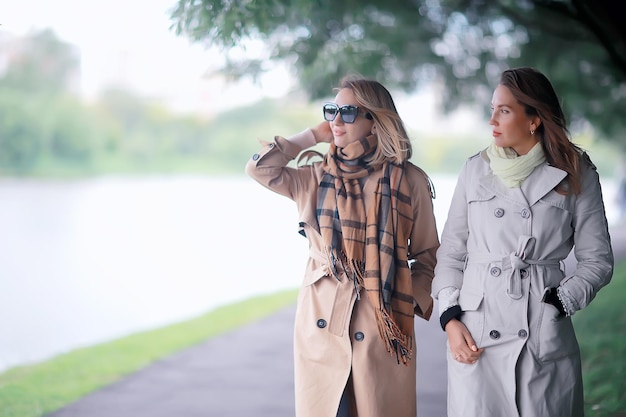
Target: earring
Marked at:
532, 131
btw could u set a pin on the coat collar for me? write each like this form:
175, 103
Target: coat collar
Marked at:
540, 182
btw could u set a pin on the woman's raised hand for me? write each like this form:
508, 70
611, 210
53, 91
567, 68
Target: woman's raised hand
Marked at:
322, 132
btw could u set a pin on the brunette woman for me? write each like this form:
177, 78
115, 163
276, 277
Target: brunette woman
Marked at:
505, 300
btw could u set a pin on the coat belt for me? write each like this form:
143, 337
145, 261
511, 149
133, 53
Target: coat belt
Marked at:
515, 262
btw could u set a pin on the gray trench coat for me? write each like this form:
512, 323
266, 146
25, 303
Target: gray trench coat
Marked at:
503, 248
336, 336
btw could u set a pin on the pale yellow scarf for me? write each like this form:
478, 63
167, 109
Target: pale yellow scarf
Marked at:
512, 168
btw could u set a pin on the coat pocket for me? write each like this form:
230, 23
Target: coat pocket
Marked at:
470, 300
556, 335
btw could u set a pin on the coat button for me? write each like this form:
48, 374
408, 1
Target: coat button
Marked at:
359, 336
525, 213
321, 323
494, 334
272, 145
499, 212
495, 271
522, 334
255, 156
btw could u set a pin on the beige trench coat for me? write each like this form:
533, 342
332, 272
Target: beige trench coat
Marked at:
503, 248
335, 335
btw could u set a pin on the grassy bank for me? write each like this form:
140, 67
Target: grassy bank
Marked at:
33, 391
601, 332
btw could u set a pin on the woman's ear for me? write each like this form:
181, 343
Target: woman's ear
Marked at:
534, 125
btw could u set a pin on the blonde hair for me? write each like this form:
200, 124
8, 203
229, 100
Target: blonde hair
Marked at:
372, 97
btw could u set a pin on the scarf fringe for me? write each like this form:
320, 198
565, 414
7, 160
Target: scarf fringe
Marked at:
393, 337
391, 334
358, 268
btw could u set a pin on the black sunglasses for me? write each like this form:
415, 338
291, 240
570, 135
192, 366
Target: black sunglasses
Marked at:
347, 113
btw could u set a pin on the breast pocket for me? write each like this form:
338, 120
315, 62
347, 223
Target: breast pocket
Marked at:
477, 195
480, 204
554, 217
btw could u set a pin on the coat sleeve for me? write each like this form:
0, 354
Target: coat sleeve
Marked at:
453, 250
269, 167
423, 243
592, 245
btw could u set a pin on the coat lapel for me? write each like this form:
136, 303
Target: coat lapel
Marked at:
541, 181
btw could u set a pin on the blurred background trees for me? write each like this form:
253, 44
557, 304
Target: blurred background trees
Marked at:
454, 49
460, 45
48, 129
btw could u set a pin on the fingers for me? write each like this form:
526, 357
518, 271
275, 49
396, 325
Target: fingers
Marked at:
462, 345
467, 356
469, 340
470, 352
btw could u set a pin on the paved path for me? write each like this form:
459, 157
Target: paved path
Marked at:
249, 372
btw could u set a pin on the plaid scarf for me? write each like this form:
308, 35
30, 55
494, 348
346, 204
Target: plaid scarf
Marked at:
370, 246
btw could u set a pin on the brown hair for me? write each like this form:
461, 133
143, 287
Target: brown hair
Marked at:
534, 91
393, 141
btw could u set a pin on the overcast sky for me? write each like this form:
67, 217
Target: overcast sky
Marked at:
131, 41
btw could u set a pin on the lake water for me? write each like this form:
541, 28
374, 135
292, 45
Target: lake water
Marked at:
82, 262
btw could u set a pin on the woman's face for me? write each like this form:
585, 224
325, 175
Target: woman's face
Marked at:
347, 133
511, 124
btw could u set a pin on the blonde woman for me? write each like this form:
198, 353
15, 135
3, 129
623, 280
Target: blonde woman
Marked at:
367, 213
